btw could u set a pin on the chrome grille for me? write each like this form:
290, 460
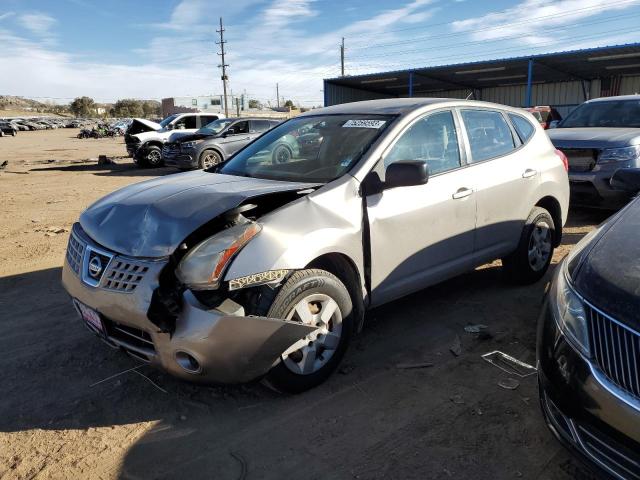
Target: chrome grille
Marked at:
124, 275
616, 349
618, 459
75, 252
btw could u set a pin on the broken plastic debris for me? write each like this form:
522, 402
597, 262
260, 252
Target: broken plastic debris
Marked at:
509, 364
509, 383
456, 347
475, 328
409, 366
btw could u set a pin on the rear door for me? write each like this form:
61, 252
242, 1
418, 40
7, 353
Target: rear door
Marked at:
505, 180
422, 234
235, 137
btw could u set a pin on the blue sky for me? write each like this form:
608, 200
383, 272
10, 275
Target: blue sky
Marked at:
112, 49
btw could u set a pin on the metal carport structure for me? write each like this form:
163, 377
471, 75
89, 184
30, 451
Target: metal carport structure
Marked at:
561, 79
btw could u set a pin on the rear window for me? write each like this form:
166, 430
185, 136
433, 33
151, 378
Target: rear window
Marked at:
523, 127
489, 134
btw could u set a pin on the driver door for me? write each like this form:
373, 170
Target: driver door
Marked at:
423, 234
237, 136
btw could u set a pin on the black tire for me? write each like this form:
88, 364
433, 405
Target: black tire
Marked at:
14, 133
303, 284
153, 157
281, 154
529, 262
208, 159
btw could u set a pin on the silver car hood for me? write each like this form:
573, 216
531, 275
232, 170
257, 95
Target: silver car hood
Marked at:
150, 219
594, 137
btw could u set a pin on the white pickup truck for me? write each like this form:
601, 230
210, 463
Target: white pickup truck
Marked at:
144, 138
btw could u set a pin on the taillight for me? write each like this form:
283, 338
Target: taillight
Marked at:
564, 159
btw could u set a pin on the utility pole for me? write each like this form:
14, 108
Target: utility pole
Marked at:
277, 95
342, 57
224, 68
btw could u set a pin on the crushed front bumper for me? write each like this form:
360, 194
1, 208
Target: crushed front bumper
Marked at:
593, 188
227, 348
179, 160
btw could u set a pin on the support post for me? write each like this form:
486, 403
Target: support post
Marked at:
529, 82
411, 84
325, 93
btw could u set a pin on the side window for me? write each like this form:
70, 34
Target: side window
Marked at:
188, 122
433, 139
260, 125
523, 127
241, 127
207, 119
489, 134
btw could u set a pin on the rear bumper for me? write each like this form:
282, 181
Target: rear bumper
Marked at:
228, 348
587, 413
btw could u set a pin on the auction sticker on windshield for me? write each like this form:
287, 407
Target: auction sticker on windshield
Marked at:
90, 316
364, 123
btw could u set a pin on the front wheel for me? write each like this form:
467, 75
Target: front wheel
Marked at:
153, 157
530, 261
209, 158
318, 298
281, 154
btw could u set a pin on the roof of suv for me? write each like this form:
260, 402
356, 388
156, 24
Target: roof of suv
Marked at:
613, 99
395, 106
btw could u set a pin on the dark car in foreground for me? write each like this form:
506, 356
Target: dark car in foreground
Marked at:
213, 143
7, 128
598, 138
589, 345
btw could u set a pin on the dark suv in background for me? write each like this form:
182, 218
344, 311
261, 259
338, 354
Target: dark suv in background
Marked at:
598, 138
213, 143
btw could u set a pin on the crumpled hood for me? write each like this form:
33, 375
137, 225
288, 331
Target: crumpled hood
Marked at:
596, 137
186, 136
150, 219
608, 276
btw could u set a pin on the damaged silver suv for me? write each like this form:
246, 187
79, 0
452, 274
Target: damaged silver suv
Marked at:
263, 266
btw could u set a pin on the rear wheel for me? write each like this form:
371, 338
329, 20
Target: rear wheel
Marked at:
14, 133
209, 158
530, 261
318, 298
281, 154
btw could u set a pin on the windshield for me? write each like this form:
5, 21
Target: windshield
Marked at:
615, 113
168, 120
215, 127
314, 149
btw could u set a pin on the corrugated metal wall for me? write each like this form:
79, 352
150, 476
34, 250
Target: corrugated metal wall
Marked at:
565, 96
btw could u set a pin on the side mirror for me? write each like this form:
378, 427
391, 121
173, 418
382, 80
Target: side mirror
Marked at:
554, 124
406, 173
626, 180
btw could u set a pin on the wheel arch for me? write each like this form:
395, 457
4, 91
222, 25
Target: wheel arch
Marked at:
213, 148
346, 270
552, 205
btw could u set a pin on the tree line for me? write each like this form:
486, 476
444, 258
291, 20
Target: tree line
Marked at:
87, 107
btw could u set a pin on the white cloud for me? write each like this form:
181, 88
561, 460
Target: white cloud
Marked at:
39, 24
6, 15
282, 12
523, 20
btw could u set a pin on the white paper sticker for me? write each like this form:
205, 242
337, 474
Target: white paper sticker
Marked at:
364, 123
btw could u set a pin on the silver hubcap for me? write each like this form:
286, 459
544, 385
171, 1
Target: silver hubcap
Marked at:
209, 160
311, 353
282, 155
153, 157
539, 246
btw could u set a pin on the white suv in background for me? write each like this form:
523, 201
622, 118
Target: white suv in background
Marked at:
144, 138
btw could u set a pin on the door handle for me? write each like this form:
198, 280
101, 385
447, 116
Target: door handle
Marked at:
462, 192
529, 173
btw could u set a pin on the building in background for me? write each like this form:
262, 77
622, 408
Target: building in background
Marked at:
206, 104
563, 79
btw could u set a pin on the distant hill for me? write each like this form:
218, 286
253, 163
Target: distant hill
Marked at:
21, 104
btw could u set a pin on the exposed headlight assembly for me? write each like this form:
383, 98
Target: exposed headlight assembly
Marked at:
203, 266
568, 310
626, 154
187, 145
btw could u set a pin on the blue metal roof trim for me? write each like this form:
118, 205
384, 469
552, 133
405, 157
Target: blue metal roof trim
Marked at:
478, 62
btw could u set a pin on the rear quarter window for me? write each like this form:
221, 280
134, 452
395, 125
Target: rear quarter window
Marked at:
523, 127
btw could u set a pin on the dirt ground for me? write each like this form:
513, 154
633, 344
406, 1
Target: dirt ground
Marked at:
68, 411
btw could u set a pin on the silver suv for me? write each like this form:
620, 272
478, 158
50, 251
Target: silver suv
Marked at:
262, 268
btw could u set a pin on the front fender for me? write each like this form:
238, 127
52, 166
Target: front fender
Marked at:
326, 221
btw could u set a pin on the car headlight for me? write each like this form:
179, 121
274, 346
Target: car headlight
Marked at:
568, 310
192, 144
626, 154
203, 266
